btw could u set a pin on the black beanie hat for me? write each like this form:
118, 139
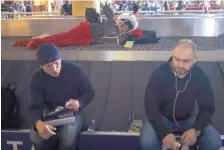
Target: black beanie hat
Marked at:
47, 53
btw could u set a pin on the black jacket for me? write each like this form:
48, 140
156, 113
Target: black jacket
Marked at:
52, 92
160, 95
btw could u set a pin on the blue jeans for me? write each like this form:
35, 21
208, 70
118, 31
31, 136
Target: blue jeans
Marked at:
210, 139
63, 140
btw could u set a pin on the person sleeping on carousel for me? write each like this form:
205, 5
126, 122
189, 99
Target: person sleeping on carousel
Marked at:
124, 26
88, 32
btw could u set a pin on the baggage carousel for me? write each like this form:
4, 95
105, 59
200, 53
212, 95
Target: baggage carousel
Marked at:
164, 44
205, 30
209, 49
18, 64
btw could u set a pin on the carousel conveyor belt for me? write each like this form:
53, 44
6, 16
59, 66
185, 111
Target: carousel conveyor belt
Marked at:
164, 44
209, 49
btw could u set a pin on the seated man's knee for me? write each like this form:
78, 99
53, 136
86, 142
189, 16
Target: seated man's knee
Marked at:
67, 143
148, 137
211, 139
215, 141
68, 135
41, 144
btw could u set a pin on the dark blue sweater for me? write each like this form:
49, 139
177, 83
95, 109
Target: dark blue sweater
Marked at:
56, 91
161, 93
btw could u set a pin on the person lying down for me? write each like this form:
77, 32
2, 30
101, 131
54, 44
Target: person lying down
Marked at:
90, 31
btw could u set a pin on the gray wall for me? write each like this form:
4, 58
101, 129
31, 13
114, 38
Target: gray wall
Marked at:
169, 25
119, 87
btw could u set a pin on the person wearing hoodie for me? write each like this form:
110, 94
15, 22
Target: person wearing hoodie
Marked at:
170, 96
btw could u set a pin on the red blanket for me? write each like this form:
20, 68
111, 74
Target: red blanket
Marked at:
78, 36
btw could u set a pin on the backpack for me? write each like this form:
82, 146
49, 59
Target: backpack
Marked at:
92, 16
10, 107
148, 37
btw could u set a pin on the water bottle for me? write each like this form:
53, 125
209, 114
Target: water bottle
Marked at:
92, 126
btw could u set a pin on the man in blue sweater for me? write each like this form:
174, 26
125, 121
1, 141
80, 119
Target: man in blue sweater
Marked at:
170, 96
57, 83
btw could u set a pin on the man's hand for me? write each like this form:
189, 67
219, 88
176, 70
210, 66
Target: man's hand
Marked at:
189, 137
73, 104
169, 141
44, 130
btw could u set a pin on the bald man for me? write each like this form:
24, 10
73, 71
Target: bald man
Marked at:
170, 96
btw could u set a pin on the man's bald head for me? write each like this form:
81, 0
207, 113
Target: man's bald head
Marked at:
184, 56
184, 46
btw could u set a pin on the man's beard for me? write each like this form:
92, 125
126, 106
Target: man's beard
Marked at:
181, 71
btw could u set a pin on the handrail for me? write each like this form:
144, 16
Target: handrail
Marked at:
17, 15
163, 11
119, 12
172, 11
30, 13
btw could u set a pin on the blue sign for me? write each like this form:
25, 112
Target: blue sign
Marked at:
16, 141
